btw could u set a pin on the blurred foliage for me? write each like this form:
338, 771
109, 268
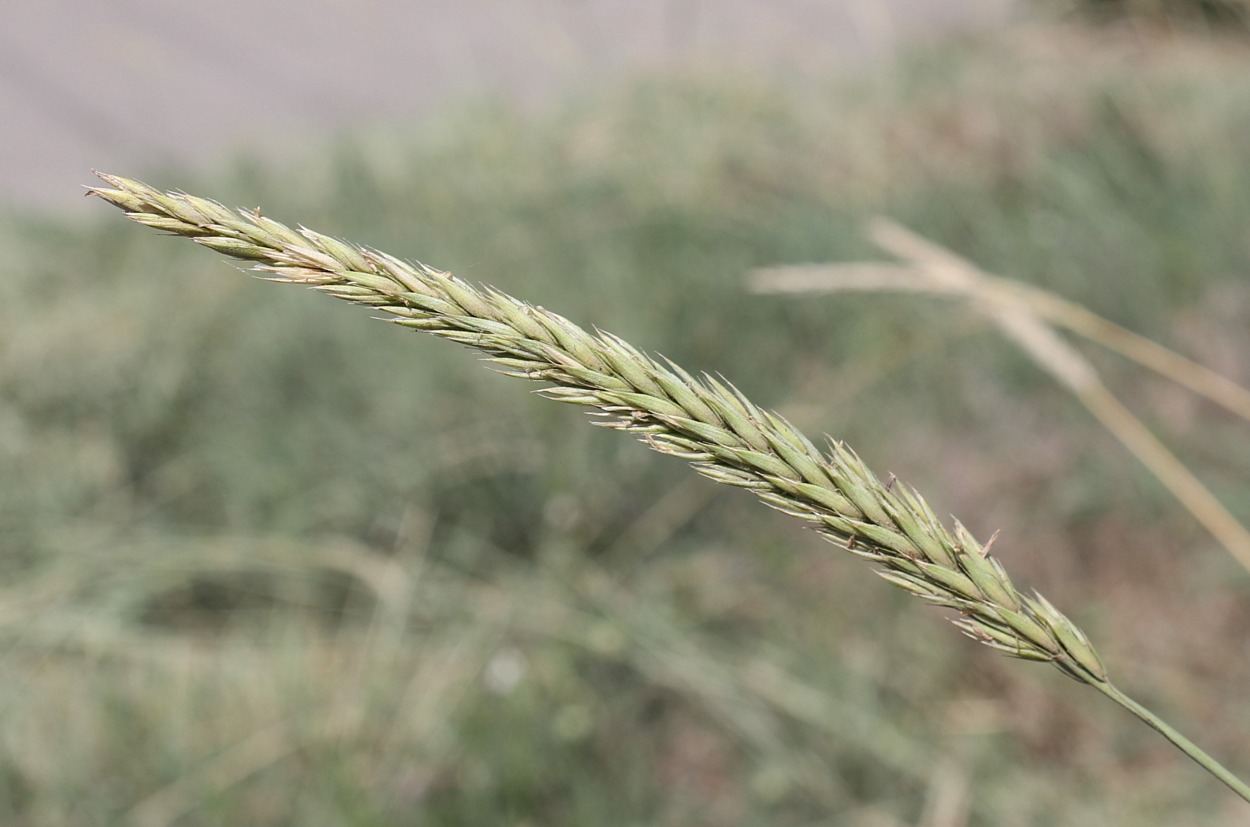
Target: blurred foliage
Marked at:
1211, 17
270, 562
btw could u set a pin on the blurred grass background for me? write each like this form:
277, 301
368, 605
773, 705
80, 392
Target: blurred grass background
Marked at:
270, 562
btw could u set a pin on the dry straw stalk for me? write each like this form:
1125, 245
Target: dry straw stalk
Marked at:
1027, 315
702, 420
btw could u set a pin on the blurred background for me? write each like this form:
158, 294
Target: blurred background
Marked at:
269, 562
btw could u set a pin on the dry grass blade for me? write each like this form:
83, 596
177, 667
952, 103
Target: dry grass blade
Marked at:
1146, 352
953, 272
1056, 310
1022, 313
712, 425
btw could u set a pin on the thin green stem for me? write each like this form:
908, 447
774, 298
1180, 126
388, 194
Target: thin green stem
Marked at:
1186, 746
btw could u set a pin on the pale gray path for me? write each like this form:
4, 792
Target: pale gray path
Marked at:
128, 85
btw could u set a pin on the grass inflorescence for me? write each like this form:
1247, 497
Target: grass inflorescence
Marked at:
704, 420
